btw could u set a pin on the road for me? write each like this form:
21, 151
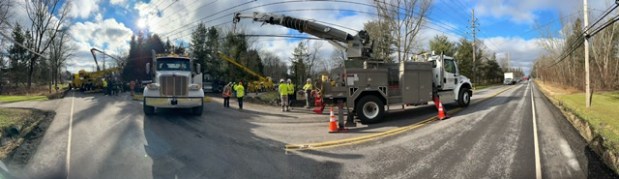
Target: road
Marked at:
111, 138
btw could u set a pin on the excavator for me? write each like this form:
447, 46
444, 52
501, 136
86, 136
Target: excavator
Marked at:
91, 81
264, 83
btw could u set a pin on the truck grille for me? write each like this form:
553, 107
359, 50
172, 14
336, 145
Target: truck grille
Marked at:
174, 85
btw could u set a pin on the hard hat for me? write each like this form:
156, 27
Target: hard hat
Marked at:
288, 80
281, 80
309, 80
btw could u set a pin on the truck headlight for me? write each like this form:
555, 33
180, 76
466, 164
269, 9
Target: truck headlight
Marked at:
194, 87
153, 86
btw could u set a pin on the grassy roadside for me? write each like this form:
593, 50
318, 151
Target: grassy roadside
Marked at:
9, 117
602, 115
11, 99
18, 126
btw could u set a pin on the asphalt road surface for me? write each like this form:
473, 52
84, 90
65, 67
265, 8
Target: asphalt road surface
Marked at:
95, 136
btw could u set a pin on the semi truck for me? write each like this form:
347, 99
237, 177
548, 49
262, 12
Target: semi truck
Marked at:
176, 84
367, 87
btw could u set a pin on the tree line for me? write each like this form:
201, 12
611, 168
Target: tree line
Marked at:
570, 71
43, 34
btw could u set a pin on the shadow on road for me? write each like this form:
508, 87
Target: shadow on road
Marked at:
221, 144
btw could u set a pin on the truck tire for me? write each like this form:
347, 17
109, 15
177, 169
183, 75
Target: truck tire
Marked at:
197, 111
370, 109
148, 110
464, 97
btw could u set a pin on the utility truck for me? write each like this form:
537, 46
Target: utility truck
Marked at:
366, 86
176, 84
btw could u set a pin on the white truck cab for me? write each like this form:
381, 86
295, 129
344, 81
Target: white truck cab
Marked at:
175, 85
448, 81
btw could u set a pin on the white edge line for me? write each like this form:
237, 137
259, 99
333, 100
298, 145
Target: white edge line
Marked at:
538, 167
68, 160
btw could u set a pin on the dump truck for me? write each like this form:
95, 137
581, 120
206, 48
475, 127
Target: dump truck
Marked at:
176, 84
367, 87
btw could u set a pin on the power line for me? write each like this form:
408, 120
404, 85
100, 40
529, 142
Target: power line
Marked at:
581, 37
178, 12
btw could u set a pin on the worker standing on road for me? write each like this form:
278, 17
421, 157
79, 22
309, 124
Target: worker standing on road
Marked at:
105, 89
240, 92
132, 87
308, 91
290, 88
283, 94
227, 93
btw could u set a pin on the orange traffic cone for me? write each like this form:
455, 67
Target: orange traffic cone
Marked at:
441, 110
332, 122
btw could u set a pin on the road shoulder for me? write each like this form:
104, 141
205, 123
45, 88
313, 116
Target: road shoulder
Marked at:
593, 137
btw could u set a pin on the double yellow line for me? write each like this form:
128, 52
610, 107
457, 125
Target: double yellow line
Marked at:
366, 138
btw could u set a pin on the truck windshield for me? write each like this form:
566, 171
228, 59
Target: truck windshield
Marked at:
173, 64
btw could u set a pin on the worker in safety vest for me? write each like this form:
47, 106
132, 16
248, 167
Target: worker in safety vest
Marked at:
104, 83
308, 91
290, 88
283, 94
240, 93
227, 93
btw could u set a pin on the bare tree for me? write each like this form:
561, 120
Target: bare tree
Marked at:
60, 51
5, 7
47, 17
120, 58
274, 67
313, 56
405, 18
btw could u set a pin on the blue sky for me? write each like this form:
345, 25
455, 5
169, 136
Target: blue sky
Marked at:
506, 26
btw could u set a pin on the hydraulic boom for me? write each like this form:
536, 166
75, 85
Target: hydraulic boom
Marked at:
356, 46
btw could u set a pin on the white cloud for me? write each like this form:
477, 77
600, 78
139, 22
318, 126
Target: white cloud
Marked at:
83, 8
107, 35
523, 11
118, 2
522, 52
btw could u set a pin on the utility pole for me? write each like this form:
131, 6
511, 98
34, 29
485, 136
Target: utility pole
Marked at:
474, 33
587, 82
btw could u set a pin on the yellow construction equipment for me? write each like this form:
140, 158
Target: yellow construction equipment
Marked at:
264, 83
92, 81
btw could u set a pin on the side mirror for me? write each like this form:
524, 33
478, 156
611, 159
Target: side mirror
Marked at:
198, 68
147, 68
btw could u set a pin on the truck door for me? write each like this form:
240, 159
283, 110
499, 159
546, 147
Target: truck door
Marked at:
450, 74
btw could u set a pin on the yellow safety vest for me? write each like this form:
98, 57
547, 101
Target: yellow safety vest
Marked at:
307, 86
290, 89
283, 89
104, 84
240, 91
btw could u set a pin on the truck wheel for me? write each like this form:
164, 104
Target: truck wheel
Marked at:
148, 110
464, 97
198, 110
370, 109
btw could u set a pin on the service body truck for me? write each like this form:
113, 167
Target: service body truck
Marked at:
367, 86
175, 85
508, 78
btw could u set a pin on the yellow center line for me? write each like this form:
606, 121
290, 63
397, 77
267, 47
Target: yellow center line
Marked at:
366, 138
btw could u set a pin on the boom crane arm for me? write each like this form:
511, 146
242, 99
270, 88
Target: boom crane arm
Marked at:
244, 68
93, 50
357, 46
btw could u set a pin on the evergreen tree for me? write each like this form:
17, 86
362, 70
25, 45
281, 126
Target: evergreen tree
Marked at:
18, 56
441, 44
